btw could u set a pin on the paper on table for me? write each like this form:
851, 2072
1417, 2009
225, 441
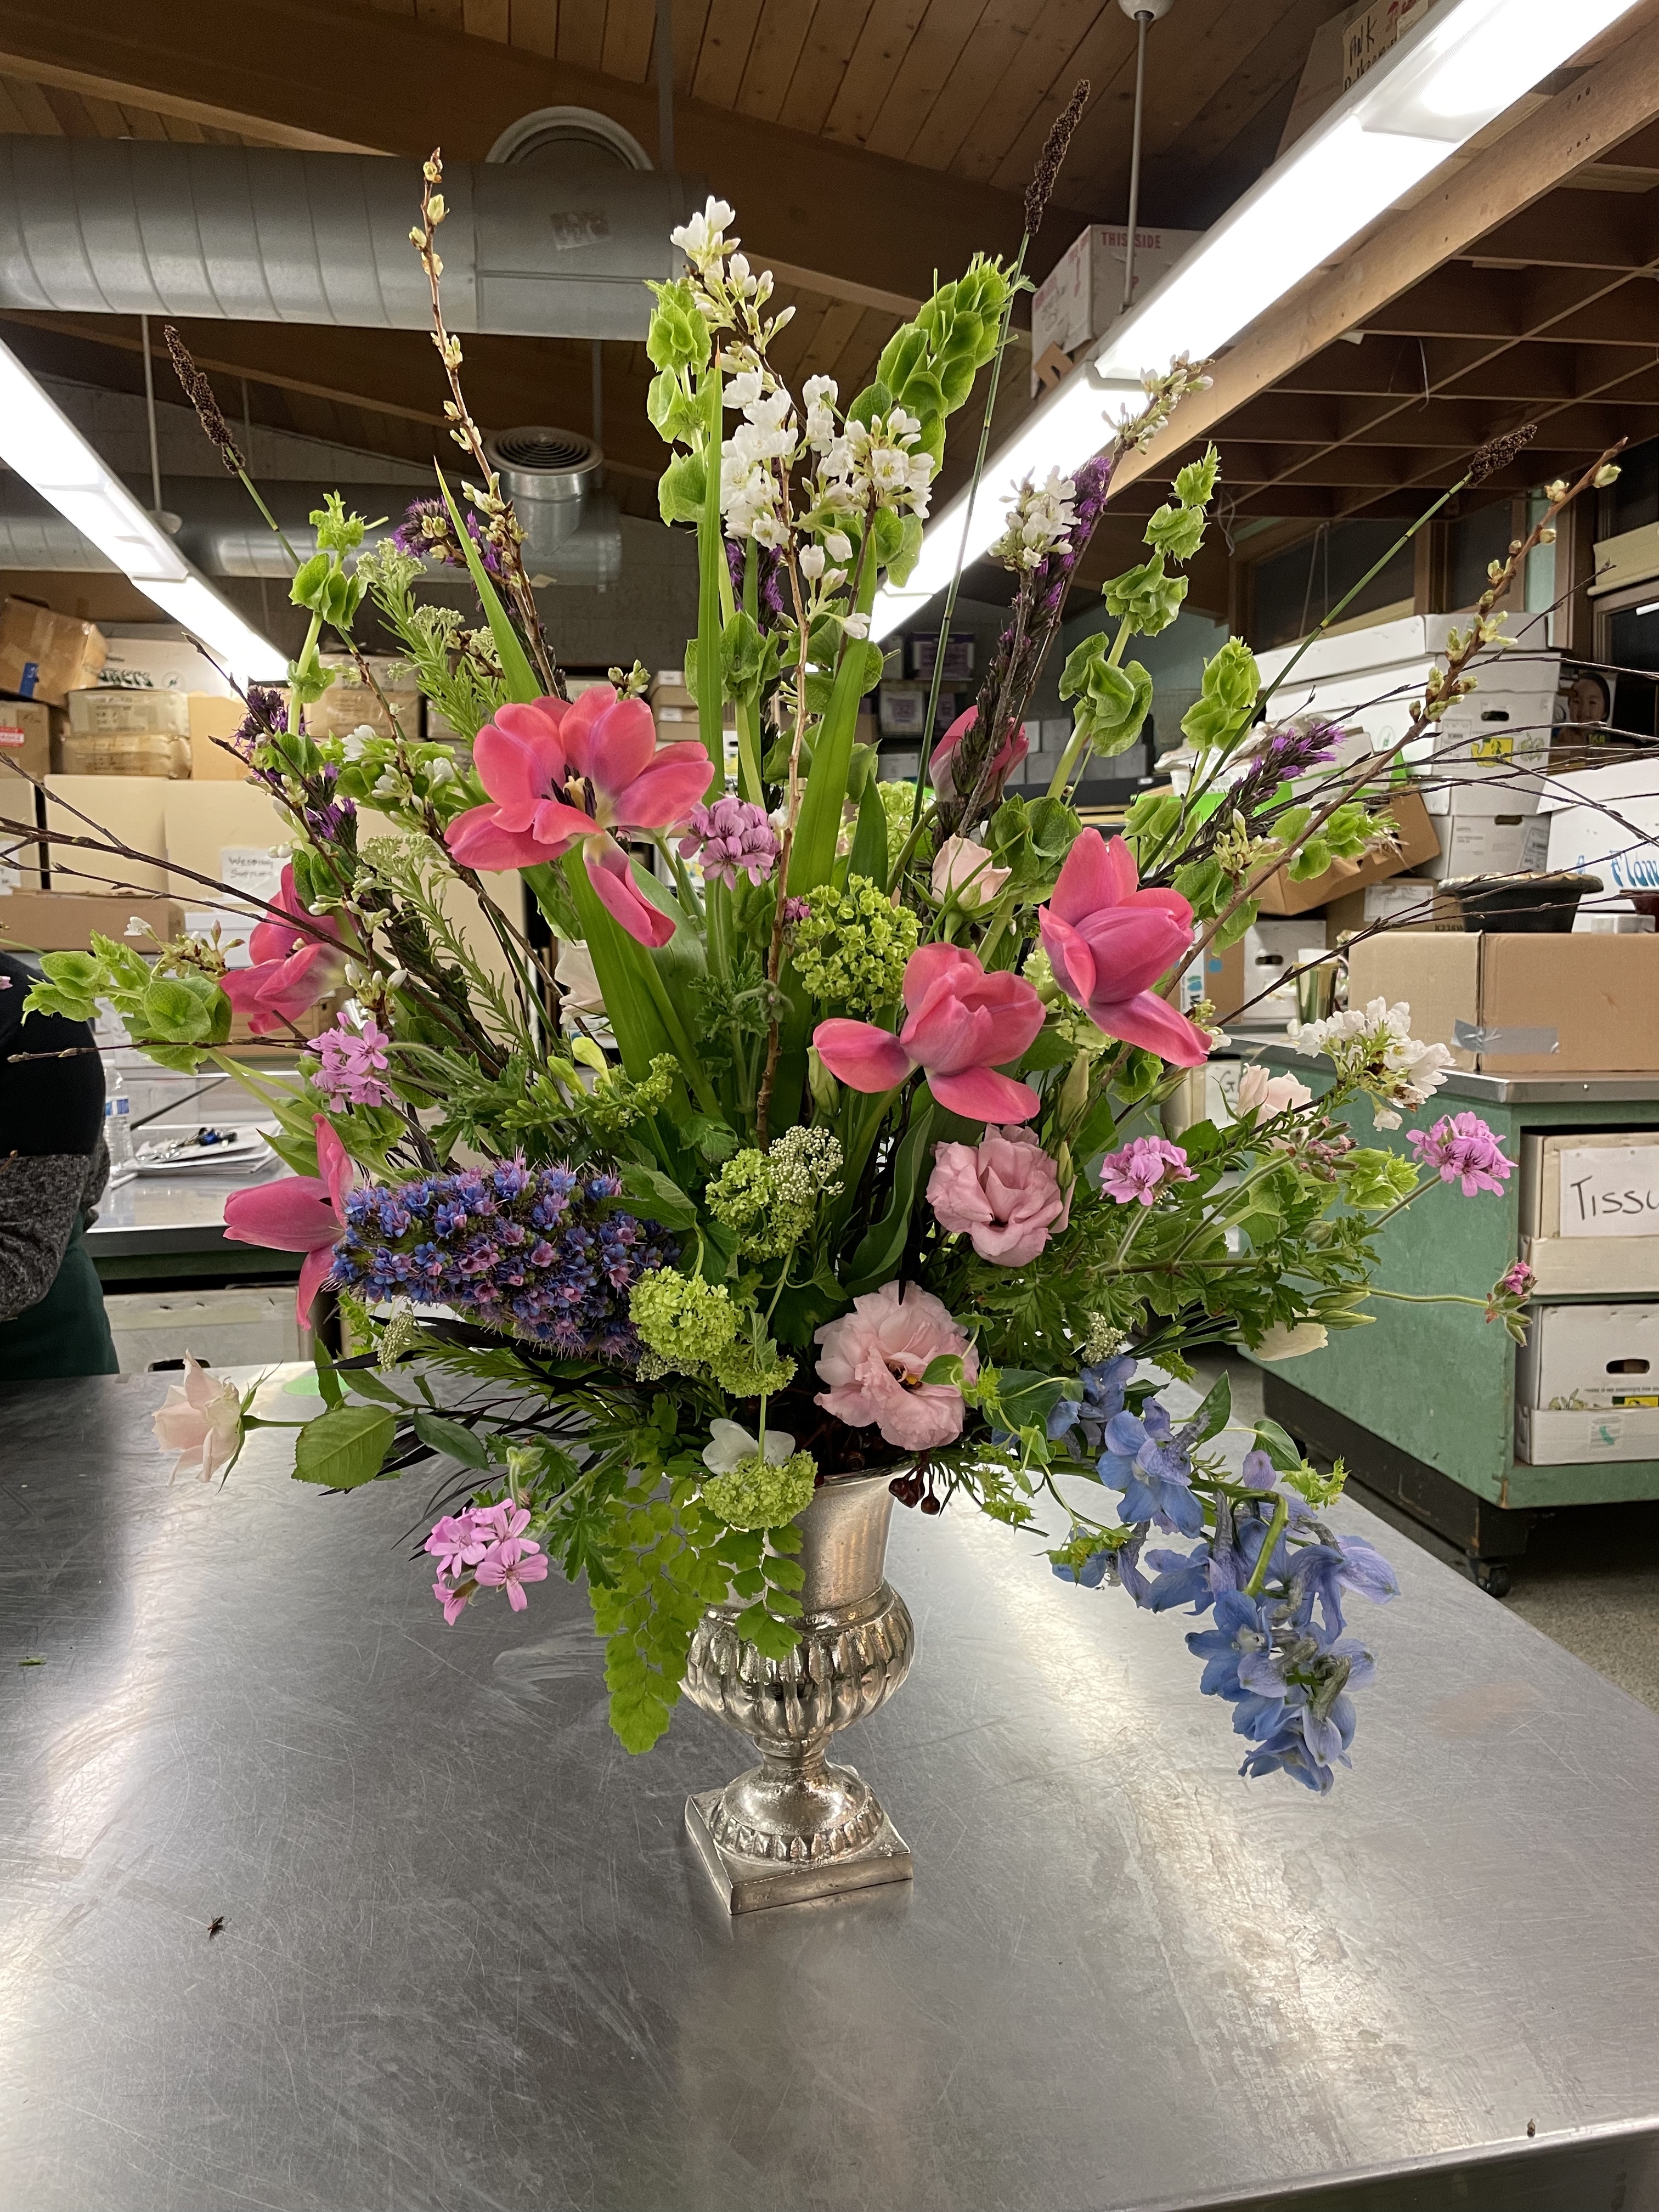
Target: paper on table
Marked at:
1612, 1190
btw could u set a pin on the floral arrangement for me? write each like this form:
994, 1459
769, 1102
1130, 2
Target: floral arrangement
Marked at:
865, 1168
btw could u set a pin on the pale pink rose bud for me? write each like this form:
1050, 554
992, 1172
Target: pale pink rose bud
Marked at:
1004, 1193
964, 868
1267, 1094
201, 1422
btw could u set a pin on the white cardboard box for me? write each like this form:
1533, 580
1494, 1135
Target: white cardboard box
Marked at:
1565, 1439
1082, 295
1605, 820
1477, 845
1554, 1165
1590, 1359
1270, 951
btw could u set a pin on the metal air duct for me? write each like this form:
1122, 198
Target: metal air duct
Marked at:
559, 244
572, 532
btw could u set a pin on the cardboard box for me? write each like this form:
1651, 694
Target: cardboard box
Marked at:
1565, 1439
1606, 1236
1518, 1004
45, 655
1478, 845
21, 866
1417, 845
128, 808
124, 752
1401, 903
1273, 950
155, 660
64, 921
349, 705
27, 727
1082, 295
211, 720
1584, 1358
1605, 823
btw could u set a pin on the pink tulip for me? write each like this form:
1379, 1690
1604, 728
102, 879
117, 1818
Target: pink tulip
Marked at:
962, 1024
298, 1214
201, 1422
1107, 941
1005, 1194
562, 775
1010, 754
292, 967
873, 1360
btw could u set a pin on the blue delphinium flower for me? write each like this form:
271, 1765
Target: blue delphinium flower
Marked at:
1150, 1462
1103, 1386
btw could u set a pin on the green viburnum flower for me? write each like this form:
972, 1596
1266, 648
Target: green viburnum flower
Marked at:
757, 1494
746, 1370
898, 803
851, 947
615, 1102
771, 1199
684, 1320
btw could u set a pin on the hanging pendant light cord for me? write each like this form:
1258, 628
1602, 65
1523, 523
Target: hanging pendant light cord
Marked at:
1142, 18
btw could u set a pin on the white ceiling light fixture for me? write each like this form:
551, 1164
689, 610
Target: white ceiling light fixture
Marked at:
44, 447
1463, 66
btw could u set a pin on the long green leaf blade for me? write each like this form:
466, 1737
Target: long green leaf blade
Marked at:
521, 682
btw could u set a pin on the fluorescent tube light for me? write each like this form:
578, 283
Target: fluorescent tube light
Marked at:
1467, 63
39, 441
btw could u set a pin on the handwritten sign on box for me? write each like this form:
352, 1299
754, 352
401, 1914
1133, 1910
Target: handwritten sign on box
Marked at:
1611, 1190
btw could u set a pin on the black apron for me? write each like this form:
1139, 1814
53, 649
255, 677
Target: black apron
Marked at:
67, 1332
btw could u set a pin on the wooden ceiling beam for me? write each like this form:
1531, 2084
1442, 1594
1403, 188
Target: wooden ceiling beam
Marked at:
1576, 230
1383, 468
848, 223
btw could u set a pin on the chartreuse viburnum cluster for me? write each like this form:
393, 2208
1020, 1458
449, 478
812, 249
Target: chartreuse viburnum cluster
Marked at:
816, 1135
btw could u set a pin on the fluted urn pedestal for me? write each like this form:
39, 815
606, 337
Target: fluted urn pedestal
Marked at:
796, 1826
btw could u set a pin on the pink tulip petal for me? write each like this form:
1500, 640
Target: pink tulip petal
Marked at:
1068, 956
518, 770
861, 1055
624, 740
333, 1164
1092, 877
315, 1271
478, 840
1153, 1023
1010, 1014
294, 1214
668, 790
980, 1094
1132, 946
555, 827
579, 730
928, 966
613, 881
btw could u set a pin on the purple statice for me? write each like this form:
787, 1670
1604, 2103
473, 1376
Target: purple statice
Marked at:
426, 533
537, 1252
352, 1065
732, 835
1461, 1148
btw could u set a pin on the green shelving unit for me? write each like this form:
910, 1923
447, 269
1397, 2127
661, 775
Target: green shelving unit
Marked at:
1421, 1404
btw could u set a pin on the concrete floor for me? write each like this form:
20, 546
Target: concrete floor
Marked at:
1589, 1578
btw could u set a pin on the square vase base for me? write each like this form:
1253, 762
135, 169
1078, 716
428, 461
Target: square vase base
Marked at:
750, 1885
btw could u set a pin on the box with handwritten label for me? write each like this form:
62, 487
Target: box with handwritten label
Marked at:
1590, 1210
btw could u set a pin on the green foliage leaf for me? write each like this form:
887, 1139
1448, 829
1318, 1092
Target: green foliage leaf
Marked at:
440, 1434
876, 1257
648, 1191
344, 1447
521, 684
1217, 1410
681, 489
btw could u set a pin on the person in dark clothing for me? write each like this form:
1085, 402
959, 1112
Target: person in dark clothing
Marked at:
53, 1166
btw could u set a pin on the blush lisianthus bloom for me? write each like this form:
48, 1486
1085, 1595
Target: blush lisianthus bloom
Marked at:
961, 1026
1142, 1168
874, 1358
562, 774
1108, 941
1004, 1193
962, 870
298, 1214
291, 966
1268, 1094
730, 836
202, 1421
1461, 1148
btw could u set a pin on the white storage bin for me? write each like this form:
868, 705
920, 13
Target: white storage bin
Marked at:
102, 713
1590, 1359
247, 1327
1563, 1439
1586, 1197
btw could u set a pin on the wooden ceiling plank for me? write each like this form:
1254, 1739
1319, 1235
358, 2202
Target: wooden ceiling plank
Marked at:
690, 17
12, 117
871, 68
775, 55
449, 14
144, 122
842, 320
107, 120
980, 75
71, 109
488, 19
39, 117
581, 32
830, 43
728, 37
533, 26
945, 34
630, 33
1039, 79
1576, 230
1260, 71
183, 129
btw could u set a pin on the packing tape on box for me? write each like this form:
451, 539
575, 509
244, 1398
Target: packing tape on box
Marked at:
1499, 1042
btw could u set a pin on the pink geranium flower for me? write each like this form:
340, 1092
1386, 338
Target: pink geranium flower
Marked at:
961, 1025
458, 1542
1108, 942
941, 768
350, 1061
874, 1358
1461, 1148
293, 967
1141, 1169
454, 1597
298, 1214
1005, 1194
510, 1564
562, 774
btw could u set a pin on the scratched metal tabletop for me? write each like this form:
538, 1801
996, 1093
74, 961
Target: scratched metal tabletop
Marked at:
468, 1963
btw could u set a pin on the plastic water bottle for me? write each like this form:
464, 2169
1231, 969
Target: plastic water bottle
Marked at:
117, 1125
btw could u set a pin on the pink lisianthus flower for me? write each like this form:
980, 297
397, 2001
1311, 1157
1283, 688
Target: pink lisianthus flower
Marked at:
1108, 942
298, 1214
730, 836
1141, 1169
874, 1358
565, 774
201, 1422
941, 768
1461, 1148
292, 965
509, 1565
962, 1024
1004, 1193
351, 1059
962, 870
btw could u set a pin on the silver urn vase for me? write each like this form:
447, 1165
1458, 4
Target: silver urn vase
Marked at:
795, 1826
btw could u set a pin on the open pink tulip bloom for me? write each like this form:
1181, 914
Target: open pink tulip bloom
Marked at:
961, 1024
560, 775
1108, 942
298, 1214
291, 966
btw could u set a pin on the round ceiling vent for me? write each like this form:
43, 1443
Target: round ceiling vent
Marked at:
538, 450
559, 134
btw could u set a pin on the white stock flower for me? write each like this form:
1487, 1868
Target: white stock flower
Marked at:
856, 625
743, 390
730, 1444
838, 545
703, 239
811, 563
1039, 523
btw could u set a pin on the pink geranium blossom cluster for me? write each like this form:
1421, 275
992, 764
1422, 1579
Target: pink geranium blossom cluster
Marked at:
1141, 1169
1461, 1148
351, 1062
484, 1548
732, 835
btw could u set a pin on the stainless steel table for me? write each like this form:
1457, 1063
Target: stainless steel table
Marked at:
159, 1229
468, 1964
